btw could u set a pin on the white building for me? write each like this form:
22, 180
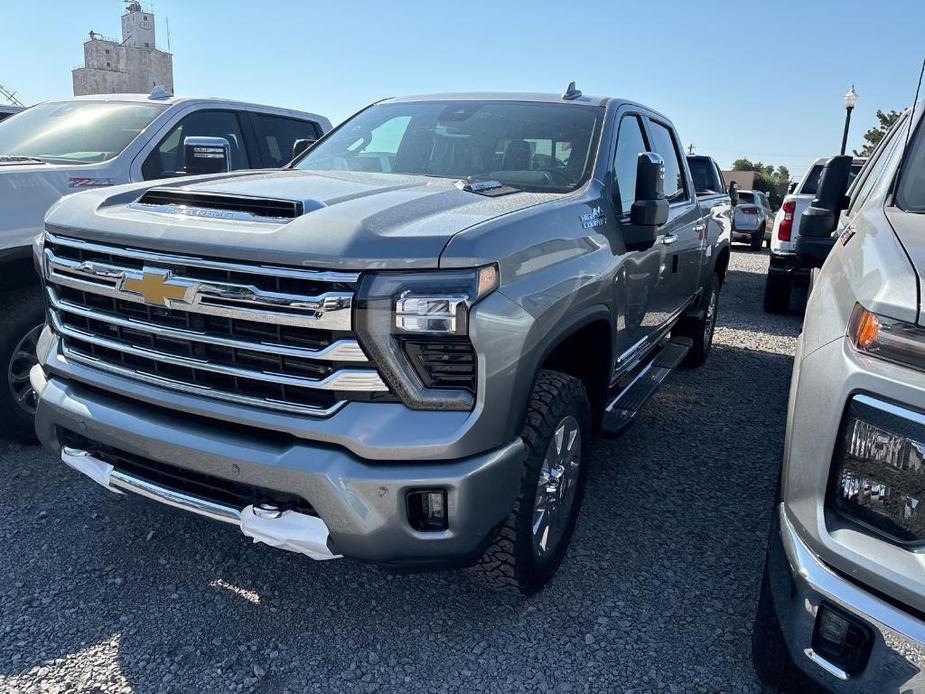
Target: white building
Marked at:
134, 65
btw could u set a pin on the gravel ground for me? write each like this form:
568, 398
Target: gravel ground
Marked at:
657, 593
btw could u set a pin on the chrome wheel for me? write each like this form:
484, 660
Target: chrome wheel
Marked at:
555, 489
17, 373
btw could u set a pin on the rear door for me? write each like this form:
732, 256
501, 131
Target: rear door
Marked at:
275, 136
683, 236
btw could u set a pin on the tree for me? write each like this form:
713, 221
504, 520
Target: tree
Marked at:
874, 135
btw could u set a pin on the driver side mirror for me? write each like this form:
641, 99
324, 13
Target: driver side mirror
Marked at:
820, 220
734, 194
650, 211
206, 155
301, 145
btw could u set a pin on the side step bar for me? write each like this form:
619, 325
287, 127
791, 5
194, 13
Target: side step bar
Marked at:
621, 411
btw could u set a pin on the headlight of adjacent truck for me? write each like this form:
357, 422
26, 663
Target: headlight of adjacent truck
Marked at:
886, 338
879, 475
415, 326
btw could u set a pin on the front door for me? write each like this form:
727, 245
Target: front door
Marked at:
683, 236
636, 290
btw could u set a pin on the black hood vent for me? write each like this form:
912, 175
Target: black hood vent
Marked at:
180, 201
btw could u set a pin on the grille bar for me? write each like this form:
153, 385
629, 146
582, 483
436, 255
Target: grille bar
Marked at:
362, 380
275, 338
341, 350
192, 261
330, 310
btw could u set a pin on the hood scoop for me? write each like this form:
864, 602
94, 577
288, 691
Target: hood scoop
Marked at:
218, 206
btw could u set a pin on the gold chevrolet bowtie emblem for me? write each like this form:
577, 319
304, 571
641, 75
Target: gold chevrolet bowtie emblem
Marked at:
156, 287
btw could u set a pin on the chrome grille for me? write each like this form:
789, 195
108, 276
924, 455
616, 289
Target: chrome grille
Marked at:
275, 337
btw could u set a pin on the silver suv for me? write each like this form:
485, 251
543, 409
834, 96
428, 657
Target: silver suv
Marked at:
843, 597
398, 350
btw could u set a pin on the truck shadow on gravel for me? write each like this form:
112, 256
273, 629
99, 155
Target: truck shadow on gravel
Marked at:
657, 591
664, 568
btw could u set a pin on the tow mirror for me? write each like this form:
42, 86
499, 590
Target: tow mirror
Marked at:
650, 211
792, 187
206, 155
821, 218
301, 145
734, 194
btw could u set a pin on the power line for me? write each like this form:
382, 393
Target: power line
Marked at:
10, 96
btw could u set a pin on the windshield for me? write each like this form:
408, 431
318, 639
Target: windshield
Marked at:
75, 132
811, 182
530, 146
910, 195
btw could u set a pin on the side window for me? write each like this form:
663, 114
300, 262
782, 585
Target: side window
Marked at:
720, 180
167, 157
630, 144
663, 143
277, 134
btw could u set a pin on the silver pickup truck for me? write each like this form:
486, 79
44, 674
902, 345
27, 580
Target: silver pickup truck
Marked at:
398, 350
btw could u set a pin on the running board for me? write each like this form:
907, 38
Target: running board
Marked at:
621, 411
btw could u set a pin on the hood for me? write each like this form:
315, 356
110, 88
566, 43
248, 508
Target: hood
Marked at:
910, 229
350, 220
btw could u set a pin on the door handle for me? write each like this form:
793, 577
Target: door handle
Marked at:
669, 239
698, 228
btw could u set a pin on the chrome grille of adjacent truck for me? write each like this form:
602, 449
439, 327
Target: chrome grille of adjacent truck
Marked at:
276, 337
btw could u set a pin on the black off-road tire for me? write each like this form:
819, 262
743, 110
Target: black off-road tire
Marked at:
777, 289
21, 311
757, 239
510, 563
701, 330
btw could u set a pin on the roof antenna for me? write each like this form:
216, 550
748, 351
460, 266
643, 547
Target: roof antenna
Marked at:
571, 93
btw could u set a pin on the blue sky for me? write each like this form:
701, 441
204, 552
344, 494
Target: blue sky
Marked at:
762, 80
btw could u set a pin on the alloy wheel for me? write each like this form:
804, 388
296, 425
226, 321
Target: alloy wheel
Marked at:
555, 489
17, 373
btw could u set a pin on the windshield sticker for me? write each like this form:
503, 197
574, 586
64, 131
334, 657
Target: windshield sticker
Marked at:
594, 218
88, 182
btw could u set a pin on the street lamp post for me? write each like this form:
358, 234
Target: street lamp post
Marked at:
851, 100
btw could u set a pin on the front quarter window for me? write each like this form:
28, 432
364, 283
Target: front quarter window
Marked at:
910, 195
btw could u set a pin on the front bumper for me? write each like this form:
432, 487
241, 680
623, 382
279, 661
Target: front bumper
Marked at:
362, 503
800, 582
788, 264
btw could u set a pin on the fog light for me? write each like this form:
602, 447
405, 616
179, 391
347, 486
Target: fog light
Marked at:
841, 639
427, 510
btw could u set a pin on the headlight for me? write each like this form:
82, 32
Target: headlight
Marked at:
888, 339
415, 326
880, 469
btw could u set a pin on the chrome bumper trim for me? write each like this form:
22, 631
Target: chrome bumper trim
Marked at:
811, 572
289, 530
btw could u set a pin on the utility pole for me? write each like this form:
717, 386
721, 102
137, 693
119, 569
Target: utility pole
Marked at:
10, 96
690, 149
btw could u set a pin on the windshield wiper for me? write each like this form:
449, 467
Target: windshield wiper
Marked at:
17, 159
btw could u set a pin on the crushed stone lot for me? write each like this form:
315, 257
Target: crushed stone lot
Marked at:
106, 594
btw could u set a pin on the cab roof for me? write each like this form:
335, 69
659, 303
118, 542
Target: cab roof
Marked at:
539, 97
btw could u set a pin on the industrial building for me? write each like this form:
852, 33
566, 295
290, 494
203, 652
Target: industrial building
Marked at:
134, 64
